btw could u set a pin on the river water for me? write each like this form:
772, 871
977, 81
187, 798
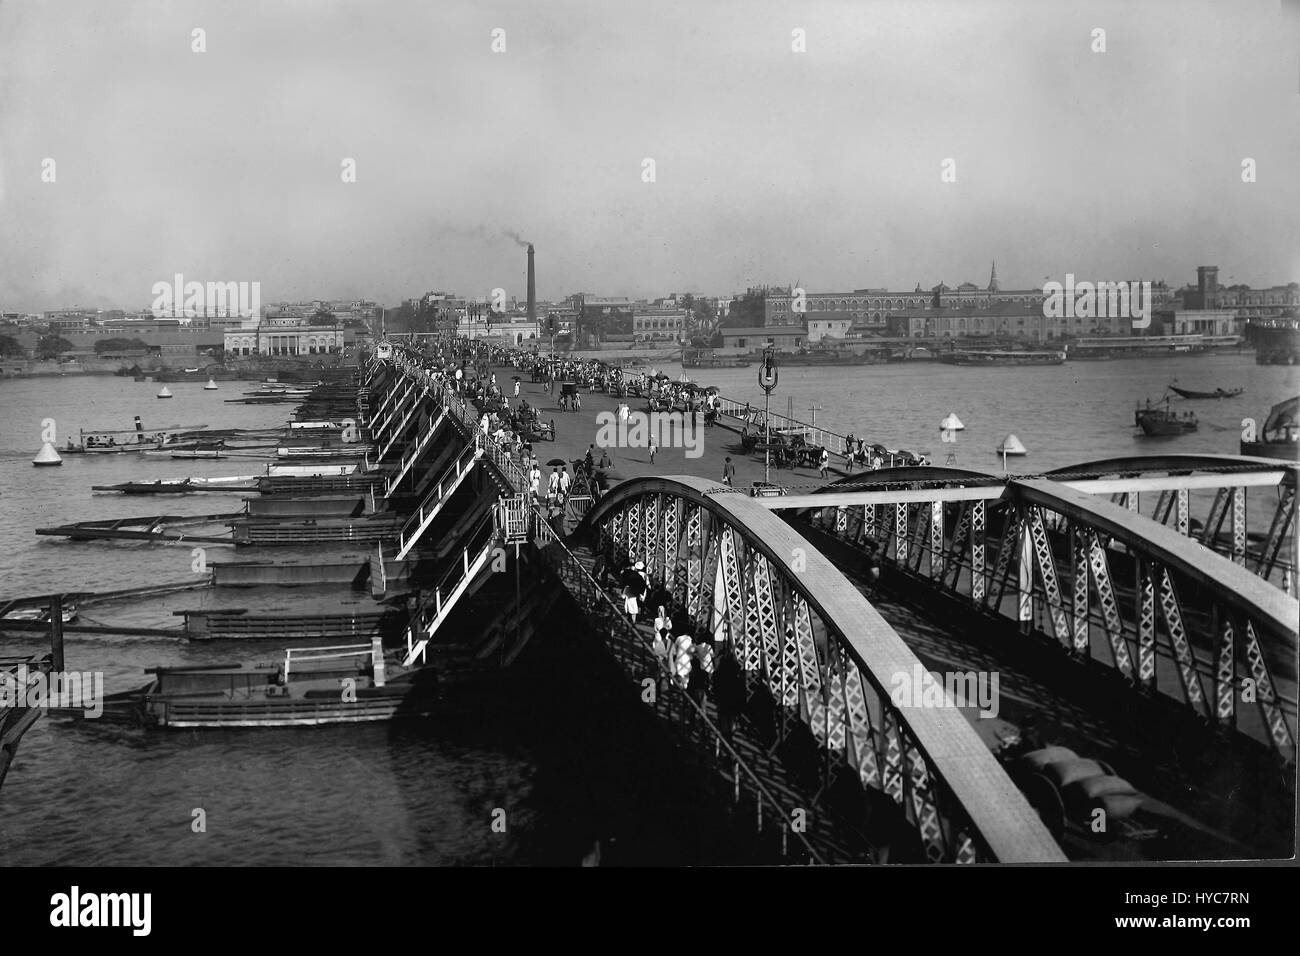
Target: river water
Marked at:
560, 747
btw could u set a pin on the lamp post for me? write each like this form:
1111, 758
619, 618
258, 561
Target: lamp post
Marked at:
767, 376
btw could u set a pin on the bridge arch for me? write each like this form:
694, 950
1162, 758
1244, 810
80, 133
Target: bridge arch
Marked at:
808, 637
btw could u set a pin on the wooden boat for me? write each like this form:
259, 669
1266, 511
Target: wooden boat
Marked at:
105, 441
184, 486
1161, 420
1280, 436
1217, 393
38, 613
344, 684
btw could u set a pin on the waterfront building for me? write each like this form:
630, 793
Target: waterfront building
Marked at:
658, 324
784, 338
282, 338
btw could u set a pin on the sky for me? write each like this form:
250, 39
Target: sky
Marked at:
771, 165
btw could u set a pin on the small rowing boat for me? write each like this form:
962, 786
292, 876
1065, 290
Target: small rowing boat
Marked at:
1217, 393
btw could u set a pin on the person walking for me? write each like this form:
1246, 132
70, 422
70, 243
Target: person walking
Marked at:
516, 389
553, 484
654, 447
697, 683
728, 472
634, 588
683, 657
824, 463
565, 481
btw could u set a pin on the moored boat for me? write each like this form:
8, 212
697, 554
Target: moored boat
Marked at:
1160, 420
1217, 393
1001, 358
344, 684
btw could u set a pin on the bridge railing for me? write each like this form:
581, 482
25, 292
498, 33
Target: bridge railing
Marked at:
746, 413
634, 653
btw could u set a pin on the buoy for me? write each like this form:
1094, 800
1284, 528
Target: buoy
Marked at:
1011, 445
951, 423
165, 392
47, 457
211, 386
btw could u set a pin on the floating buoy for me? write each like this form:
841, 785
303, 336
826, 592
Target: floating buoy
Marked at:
211, 386
1011, 445
165, 392
47, 457
951, 423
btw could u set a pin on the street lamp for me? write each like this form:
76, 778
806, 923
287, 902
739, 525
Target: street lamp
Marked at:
767, 377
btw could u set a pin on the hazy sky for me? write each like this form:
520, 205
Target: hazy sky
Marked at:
771, 165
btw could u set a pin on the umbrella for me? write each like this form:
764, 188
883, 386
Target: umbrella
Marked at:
557, 461
516, 378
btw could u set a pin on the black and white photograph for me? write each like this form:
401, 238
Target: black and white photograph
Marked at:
850, 433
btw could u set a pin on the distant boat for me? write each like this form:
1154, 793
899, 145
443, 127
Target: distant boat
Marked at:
1160, 420
1217, 393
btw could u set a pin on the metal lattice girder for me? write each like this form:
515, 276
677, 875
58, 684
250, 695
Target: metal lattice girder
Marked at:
1278, 731
670, 511
695, 551
652, 534
1187, 671
977, 581
1047, 574
1133, 501
733, 578
1146, 648
853, 527
1025, 570
1225, 673
924, 806
892, 783
1079, 607
936, 539
861, 736
1239, 525
615, 531
841, 521
791, 648
719, 620
1109, 607
1183, 512
1214, 522
956, 551
900, 533
869, 522
916, 550
1164, 506
810, 679
1283, 515
753, 659
765, 608
709, 580
836, 703
1007, 545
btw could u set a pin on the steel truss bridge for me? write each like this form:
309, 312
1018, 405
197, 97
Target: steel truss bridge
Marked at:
1152, 615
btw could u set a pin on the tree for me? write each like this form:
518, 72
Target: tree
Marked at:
10, 346
747, 311
52, 346
323, 317
120, 345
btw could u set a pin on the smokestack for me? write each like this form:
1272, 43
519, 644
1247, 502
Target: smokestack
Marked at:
532, 287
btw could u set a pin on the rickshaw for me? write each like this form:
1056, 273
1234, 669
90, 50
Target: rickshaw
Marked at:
569, 399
